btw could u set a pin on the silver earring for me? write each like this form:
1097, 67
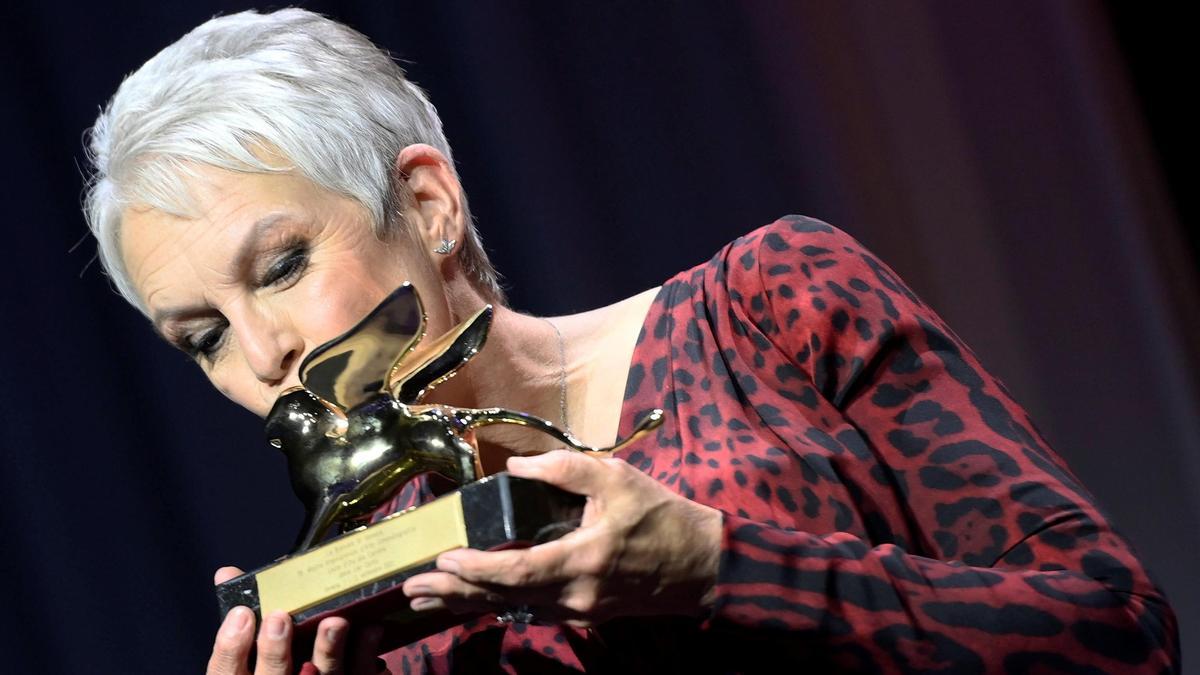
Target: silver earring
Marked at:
446, 246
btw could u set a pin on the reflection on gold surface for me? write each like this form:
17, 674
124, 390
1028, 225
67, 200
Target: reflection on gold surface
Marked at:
357, 431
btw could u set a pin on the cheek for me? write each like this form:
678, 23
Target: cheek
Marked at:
330, 304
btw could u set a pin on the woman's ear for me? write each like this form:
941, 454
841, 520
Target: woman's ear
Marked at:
435, 209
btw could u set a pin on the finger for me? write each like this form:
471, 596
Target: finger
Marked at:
438, 590
275, 645
461, 596
571, 471
430, 605
420, 584
433, 583
329, 649
232, 646
435, 590
365, 657
225, 574
535, 566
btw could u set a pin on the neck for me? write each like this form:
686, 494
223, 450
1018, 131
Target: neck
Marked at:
522, 368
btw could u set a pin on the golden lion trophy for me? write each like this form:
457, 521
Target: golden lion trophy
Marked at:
354, 435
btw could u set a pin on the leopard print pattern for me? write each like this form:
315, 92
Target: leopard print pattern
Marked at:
887, 507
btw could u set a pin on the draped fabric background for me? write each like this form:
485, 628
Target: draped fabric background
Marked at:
995, 154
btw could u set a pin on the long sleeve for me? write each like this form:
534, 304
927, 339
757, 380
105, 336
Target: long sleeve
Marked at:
888, 507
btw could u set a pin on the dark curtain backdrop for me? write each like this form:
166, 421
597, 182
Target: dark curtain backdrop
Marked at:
996, 154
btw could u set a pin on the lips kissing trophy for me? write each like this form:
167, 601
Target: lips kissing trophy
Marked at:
357, 432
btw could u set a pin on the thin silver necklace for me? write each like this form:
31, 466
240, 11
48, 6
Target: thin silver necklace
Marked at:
562, 377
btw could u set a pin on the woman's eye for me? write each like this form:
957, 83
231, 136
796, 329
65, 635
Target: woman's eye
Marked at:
286, 269
204, 345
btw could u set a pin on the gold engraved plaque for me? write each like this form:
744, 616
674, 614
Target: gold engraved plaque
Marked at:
364, 556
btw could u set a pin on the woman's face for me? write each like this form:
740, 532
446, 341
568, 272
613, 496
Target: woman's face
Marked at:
271, 268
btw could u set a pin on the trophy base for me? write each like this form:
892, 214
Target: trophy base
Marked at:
358, 575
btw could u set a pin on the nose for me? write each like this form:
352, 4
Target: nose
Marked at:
269, 343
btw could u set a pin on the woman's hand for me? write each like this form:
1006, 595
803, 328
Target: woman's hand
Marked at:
640, 550
231, 650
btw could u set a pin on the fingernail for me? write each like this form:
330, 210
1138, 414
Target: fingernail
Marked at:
413, 591
333, 635
424, 604
448, 565
276, 625
235, 621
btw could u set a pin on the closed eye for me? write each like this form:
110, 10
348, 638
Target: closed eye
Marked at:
203, 345
286, 269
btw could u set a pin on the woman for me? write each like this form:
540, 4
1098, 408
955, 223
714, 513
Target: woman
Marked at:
838, 483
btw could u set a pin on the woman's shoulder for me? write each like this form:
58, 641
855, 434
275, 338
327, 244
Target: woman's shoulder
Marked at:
791, 249
792, 235
794, 274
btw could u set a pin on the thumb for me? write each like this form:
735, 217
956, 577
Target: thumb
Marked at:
225, 574
570, 470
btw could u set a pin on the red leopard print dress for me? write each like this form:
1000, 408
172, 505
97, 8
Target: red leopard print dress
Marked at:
888, 508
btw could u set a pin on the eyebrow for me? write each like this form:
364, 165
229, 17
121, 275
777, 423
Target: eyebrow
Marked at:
241, 261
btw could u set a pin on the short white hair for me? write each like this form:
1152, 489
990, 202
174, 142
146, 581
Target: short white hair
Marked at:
312, 90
